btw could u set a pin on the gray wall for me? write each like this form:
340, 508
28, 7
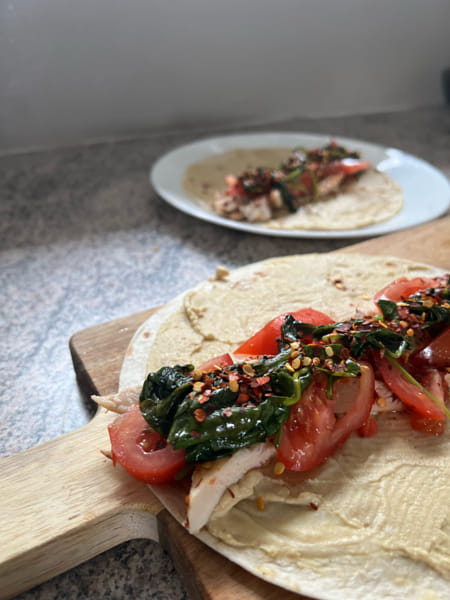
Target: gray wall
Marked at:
81, 70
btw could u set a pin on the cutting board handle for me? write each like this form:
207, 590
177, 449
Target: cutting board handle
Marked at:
62, 503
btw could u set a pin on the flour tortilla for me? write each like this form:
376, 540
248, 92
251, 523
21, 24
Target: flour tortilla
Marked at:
371, 198
216, 316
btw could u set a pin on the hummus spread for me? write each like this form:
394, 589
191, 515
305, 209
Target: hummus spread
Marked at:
372, 198
381, 496
218, 315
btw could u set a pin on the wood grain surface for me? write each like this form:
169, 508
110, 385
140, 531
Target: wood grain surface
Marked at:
86, 507
429, 243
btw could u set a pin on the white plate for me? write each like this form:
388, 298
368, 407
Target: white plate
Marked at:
426, 190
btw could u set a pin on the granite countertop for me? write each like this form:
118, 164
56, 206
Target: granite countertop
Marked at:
85, 240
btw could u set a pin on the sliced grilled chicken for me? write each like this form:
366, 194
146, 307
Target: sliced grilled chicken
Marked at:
330, 184
121, 401
211, 480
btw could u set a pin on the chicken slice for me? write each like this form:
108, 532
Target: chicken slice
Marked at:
385, 401
258, 209
228, 206
210, 480
241, 208
330, 184
121, 401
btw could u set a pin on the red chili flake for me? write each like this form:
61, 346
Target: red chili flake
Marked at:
317, 349
231, 492
260, 381
196, 434
107, 454
403, 312
313, 506
258, 393
242, 398
199, 415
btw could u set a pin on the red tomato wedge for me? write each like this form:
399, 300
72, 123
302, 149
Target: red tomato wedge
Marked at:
359, 412
348, 166
307, 182
435, 383
264, 341
141, 452
369, 428
305, 438
311, 434
402, 288
426, 425
224, 360
436, 353
407, 392
235, 187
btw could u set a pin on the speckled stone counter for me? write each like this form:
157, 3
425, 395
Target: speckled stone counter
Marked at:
85, 240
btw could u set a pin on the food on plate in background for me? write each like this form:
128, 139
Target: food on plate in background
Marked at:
327, 188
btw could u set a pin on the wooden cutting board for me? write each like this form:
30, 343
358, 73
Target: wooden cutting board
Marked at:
62, 503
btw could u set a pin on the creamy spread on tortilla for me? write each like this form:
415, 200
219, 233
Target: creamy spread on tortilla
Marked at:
372, 198
375, 517
386, 495
218, 315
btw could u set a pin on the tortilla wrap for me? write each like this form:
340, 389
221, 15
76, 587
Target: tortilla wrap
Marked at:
373, 521
371, 198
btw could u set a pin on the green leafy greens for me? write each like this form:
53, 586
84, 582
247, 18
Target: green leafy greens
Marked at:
236, 406
170, 404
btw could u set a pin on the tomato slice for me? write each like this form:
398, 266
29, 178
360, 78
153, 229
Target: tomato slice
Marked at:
311, 434
369, 428
306, 434
224, 360
407, 392
436, 353
143, 453
348, 166
434, 382
307, 182
359, 412
402, 288
426, 425
351, 166
235, 187
264, 342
